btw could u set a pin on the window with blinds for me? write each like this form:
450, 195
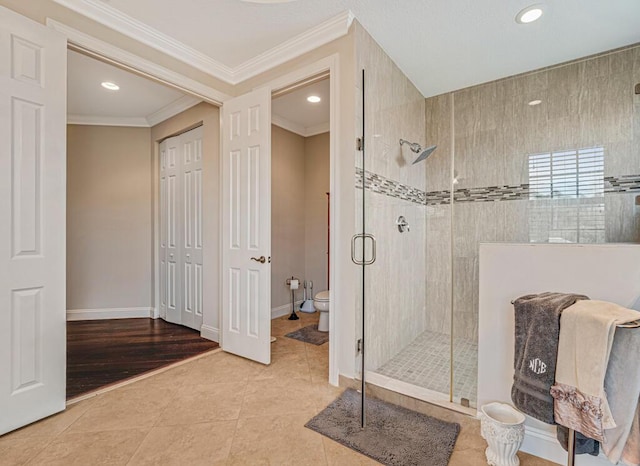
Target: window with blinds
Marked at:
567, 190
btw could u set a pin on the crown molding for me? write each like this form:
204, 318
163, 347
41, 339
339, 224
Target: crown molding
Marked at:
297, 128
113, 18
317, 129
166, 112
324, 33
89, 120
172, 109
137, 64
288, 125
131, 27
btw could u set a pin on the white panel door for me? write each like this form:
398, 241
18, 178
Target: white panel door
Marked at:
33, 61
191, 246
246, 222
181, 229
170, 231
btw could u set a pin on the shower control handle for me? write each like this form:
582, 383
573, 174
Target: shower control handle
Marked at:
260, 259
402, 224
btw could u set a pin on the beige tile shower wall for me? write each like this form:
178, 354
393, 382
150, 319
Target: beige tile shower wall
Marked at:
316, 187
287, 213
395, 284
584, 104
109, 197
438, 217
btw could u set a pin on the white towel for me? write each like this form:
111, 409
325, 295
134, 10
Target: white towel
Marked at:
586, 336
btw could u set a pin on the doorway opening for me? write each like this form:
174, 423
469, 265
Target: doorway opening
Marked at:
300, 226
116, 122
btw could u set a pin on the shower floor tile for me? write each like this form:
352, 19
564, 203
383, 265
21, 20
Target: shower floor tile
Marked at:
425, 363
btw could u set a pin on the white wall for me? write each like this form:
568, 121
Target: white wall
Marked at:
608, 272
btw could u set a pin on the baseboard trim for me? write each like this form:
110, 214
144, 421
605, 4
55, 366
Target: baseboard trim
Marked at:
111, 313
543, 444
210, 333
284, 310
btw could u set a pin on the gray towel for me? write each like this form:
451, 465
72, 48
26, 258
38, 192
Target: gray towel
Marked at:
583, 444
537, 331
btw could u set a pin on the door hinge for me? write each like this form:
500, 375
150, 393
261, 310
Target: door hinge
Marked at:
359, 144
359, 346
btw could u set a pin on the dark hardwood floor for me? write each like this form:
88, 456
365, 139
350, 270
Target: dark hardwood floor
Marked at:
103, 352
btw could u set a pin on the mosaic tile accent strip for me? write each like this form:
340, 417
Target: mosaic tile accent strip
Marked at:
492, 193
425, 363
382, 185
379, 184
621, 184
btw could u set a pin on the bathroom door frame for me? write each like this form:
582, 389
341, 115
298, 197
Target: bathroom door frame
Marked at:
103, 51
329, 64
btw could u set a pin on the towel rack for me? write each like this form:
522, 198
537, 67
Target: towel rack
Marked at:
571, 443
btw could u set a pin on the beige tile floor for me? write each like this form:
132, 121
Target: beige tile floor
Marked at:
219, 409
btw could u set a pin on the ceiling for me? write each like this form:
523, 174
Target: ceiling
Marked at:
292, 111
441, 45
139, 102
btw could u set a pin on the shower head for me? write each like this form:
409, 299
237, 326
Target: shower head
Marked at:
417, 148
425, 153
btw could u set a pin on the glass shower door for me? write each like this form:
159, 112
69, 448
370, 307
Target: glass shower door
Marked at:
359, 252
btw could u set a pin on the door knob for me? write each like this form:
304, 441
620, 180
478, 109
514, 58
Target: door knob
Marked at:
260, 259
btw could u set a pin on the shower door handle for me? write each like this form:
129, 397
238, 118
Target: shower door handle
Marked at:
363, 261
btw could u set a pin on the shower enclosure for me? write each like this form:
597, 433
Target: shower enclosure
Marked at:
548, 156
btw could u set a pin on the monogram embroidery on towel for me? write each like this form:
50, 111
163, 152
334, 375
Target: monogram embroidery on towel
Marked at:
537, 366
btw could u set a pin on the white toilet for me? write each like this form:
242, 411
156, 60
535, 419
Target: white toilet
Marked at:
321, 303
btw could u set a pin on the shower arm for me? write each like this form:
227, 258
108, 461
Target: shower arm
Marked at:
414, 146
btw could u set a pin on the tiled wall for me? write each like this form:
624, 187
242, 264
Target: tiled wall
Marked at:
396, 296
589, 103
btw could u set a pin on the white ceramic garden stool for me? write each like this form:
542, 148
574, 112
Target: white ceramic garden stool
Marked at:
502, 426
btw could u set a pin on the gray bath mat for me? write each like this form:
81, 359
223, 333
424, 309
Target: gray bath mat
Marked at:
393, 435
310, 334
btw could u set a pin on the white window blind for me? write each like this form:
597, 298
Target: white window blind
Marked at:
567, 174
567, 190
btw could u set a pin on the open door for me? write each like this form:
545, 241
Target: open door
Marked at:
246, 224
33, 73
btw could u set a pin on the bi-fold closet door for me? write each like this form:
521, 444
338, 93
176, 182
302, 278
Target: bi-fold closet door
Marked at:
181, 229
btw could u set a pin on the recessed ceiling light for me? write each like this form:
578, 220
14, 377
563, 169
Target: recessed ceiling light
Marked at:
534, 102
111, 86
529, 14
314, 99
